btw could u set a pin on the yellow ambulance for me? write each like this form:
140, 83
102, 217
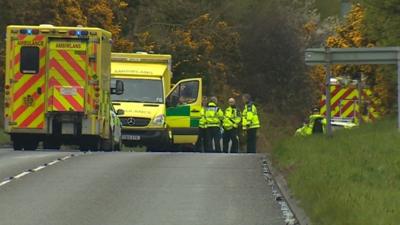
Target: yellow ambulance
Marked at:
154, 114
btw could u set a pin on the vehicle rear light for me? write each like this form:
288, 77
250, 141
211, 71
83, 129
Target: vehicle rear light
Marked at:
72, 32
29, 31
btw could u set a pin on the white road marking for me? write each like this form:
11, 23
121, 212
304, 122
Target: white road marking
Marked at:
66, 157
21, 175
5, 182
54, 162
37, 169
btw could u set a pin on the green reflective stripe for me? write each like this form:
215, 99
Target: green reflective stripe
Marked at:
179, 111
194, 122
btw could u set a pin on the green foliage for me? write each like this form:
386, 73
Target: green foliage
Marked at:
383, 21
4, 138
328, 7
273, 61
352, 178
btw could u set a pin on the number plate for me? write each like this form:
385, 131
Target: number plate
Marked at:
131, 137
68, 91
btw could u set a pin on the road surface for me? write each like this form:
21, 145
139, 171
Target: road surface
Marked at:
135, 189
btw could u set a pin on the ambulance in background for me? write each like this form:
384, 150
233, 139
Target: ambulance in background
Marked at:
57, 88
351, 102
152, 113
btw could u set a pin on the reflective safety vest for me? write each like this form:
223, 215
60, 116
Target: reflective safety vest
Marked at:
250, 117
202, 121
232, 118
314, 125
213, 115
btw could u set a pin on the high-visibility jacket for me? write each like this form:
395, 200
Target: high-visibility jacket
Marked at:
250, 118
231, 119
315, 117
308, 128
202, 121
214, 115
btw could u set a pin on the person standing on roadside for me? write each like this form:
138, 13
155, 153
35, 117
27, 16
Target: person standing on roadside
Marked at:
250, 123
213, 115
201, 143
230, 124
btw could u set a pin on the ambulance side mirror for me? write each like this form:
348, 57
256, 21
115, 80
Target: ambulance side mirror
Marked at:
117, 87
120, 112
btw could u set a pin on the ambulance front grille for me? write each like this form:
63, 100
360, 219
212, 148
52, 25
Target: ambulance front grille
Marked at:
134, 122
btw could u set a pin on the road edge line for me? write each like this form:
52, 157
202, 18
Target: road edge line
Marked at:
292, 213
43, 166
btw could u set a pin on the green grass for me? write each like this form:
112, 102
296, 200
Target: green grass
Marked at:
352, 178
4, 138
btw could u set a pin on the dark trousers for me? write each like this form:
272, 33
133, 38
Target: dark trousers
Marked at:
231, 135
251, 140
201, 143
213, 135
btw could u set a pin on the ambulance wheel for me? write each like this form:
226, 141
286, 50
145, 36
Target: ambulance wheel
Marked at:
50, 144
17, 146
151, 149
108, 145
94, 147
31, 145
84, 148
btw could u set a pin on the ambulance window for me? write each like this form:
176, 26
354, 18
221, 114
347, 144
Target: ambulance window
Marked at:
185, 93
173, 99
29, 60
189, 92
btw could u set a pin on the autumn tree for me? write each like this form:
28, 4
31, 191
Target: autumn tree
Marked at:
351, 33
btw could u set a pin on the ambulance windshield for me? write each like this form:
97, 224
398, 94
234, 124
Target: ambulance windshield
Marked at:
141, 90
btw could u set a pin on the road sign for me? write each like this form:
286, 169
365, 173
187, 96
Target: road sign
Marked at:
352, 56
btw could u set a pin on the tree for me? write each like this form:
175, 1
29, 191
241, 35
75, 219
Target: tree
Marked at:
273, 59
351, 33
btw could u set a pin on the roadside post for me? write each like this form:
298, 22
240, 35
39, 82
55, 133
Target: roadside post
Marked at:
353, 56
328, 70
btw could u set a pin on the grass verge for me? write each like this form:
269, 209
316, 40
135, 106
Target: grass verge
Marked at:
4, 138
352, 178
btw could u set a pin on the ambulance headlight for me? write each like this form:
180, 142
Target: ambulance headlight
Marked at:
159, 120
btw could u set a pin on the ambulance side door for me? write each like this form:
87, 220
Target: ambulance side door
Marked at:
183, 110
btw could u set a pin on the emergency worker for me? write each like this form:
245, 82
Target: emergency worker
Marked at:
250, 123
317, 122
201, 143
213, 115
231, 124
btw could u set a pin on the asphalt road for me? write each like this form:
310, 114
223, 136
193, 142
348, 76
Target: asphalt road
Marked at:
136, 189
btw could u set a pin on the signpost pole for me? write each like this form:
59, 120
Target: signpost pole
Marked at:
398, 89
328, 92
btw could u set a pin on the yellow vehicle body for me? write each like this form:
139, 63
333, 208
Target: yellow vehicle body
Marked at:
57, 85
149, 114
